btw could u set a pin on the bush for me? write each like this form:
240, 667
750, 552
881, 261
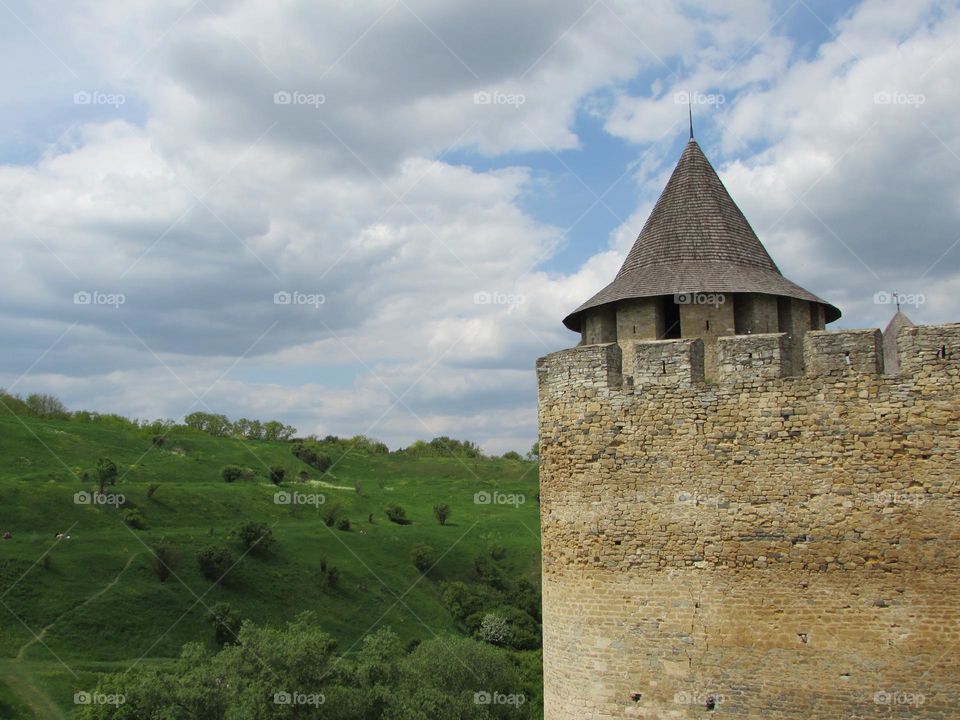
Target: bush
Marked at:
106, 473
226, 623
331, 514
329, 578
343, 524
166, 559
512, 455
397, 514
214, 561
309, 454
441, 512
277, 474
46, 406
423, 557
152, 490
256, 537
134, 518
231, 473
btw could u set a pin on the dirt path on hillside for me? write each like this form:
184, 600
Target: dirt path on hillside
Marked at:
15, 672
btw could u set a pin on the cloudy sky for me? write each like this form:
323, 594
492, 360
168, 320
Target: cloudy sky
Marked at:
433, 185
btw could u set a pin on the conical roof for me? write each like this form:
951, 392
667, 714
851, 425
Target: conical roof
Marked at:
696, 240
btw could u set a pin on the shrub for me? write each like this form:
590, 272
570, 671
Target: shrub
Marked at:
45, 406
226, 623
423, 557
441, 512
214, 561
331, 513
166, 559
106, 473
134, 518
231, 473
152, 490
158, 440
256, 537
277, 474
308, 453
329, 578
512, 455
397, 514
343, 524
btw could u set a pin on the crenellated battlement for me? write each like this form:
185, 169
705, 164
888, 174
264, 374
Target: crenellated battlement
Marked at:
923, 350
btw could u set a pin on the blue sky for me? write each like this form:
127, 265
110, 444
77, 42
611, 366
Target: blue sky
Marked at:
144, 154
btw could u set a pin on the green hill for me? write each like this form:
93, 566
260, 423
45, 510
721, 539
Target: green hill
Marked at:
91, 602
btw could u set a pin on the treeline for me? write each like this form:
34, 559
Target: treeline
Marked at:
42, 405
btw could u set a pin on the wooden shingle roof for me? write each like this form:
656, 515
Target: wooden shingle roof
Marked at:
696, 240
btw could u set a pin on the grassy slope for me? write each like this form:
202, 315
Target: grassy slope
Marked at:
92, 625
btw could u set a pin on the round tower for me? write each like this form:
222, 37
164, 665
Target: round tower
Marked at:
698, 270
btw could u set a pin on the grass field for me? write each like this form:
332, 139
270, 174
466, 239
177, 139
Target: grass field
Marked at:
72, 608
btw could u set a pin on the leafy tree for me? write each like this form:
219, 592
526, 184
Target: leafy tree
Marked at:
441, 512
343, 524
106, 473
226, 623
45, 406
493, 629
534, 453
214, 561
423, 557
231, 473
165, 560
134, 518
331, 513
512, 455
311, 455
397, 514
256, 537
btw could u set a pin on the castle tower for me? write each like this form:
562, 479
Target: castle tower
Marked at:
698, 270
742, 513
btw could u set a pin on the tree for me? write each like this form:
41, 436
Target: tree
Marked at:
493, 629
276, 474
534, 453
231, 473
256, 537
166, 559
134, 518
45, 406
441, 512
512, 455
226, 623
214, 561
397, 514
343, 524
423, 557
106, 473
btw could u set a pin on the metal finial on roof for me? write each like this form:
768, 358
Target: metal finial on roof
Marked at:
690, 113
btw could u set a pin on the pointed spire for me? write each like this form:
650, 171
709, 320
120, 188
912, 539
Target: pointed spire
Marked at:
690, 113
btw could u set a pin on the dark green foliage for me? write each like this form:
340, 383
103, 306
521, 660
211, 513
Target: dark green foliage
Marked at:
343, 524
445, 677
165, 558
397, 514
512, 455
106, 473
46, 406
441, 512
231, 473
226, 623
214, 561
423, 557
277, 474
134, 518
256, 537
152, 489
443, 447
310, 453
331, 513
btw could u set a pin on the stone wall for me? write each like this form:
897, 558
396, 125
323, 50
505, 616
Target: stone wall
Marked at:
764, 547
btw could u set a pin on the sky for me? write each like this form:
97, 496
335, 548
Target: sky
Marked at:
371, 216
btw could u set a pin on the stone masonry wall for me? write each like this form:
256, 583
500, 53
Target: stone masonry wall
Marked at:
763, 547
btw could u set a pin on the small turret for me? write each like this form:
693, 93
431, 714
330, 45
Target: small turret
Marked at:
698, 271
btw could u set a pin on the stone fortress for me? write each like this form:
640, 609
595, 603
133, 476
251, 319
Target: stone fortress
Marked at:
744, 514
